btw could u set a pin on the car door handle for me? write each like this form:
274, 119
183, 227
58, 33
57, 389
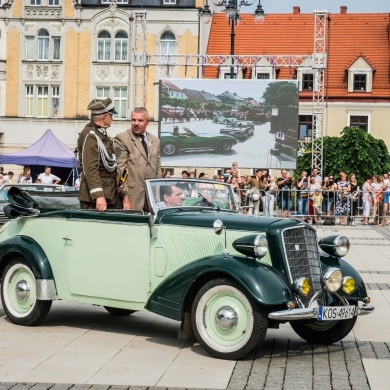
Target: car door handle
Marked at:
66, 238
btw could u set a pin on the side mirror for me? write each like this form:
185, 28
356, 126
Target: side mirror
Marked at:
218, 226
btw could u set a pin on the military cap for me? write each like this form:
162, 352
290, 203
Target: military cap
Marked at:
101, 106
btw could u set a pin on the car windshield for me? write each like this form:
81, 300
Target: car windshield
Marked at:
29, 188
165, 193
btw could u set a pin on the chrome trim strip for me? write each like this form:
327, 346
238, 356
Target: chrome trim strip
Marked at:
46, 289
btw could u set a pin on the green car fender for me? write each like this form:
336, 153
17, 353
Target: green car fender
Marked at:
174, 296
328, 261
31, 251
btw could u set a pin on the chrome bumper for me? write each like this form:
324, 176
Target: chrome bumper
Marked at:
308, 313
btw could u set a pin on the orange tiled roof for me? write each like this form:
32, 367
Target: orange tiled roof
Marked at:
349, 36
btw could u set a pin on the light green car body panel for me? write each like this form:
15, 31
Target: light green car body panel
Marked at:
93, 262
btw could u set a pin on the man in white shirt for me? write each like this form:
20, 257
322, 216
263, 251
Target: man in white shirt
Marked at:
48, 178
7, 178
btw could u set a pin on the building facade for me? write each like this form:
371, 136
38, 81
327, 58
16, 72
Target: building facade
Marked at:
57, 55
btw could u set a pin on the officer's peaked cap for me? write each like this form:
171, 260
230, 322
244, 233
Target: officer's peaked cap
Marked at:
101, 106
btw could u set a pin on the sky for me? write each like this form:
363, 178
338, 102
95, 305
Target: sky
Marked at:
353, 6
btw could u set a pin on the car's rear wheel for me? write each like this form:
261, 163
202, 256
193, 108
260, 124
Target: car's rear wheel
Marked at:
18, 294
119, 312
323, 332
225, 122
226, 321
169, 149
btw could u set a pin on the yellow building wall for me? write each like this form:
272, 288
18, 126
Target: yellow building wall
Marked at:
17, 8
13, 70
187, 44
69, 9
199, 3
77, 73
337, 118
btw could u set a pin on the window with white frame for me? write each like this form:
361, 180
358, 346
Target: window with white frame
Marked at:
121, 45
167, 46
102, 92
104, 46
55, 101
172, 2
118, 95
361, 121
120, 102
54, 3
122, 1
43, 47
360, 76
106, 41
307, 81
35, 2
42, 101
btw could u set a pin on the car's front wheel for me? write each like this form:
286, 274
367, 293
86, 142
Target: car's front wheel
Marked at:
119, 312
169, 149
225, 146
18, 294
323, 332
226, 321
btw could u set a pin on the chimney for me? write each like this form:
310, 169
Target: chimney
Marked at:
343, 9
296, 10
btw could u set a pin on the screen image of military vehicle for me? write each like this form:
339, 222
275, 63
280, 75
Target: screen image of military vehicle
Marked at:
284, 124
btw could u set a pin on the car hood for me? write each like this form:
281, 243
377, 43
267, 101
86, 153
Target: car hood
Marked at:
233, 221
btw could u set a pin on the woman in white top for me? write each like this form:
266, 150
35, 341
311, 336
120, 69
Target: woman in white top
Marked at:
26, 176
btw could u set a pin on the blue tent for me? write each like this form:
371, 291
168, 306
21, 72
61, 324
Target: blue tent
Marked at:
48, 150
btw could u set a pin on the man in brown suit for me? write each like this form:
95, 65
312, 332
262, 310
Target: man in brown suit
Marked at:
98, 188
139, 152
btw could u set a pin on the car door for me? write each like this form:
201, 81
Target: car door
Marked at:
107, 255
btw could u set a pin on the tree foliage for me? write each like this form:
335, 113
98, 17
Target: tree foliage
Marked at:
279, 94
354, 151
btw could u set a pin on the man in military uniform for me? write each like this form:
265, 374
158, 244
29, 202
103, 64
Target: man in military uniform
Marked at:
98, 188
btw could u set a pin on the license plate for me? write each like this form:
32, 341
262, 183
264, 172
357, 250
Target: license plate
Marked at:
328, 313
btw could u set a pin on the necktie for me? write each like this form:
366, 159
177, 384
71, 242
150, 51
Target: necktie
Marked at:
144, 143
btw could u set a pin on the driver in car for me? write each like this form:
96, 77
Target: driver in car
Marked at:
171, 195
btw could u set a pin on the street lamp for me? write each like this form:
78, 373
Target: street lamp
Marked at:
232, 14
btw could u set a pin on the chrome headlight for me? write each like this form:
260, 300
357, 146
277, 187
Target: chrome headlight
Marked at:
255, 194
332, 278
302, 286
261, 246
254, 245
335, 245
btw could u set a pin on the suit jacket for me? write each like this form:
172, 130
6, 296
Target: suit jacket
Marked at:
97, 181
131, 154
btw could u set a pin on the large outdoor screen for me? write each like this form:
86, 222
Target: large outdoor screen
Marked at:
211, 123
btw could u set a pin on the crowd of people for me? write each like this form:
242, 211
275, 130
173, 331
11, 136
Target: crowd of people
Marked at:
25, 177
310, 197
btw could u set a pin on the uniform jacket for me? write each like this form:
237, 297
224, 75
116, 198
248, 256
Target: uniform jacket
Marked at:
97, 181
131, 154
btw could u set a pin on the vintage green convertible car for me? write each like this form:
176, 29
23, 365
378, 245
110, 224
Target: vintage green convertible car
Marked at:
227, 277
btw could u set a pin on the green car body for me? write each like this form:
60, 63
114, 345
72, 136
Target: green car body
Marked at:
171, 262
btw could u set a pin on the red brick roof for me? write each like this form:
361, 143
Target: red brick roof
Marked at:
349, 36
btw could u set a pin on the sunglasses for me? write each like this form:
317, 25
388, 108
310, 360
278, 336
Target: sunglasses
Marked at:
331, 177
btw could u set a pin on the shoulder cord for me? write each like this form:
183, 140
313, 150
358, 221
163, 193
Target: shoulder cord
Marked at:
109, 162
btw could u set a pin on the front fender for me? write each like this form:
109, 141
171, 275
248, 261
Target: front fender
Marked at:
31, 251
260, 281
347, 270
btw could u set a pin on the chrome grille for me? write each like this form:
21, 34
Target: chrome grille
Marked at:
303, 256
